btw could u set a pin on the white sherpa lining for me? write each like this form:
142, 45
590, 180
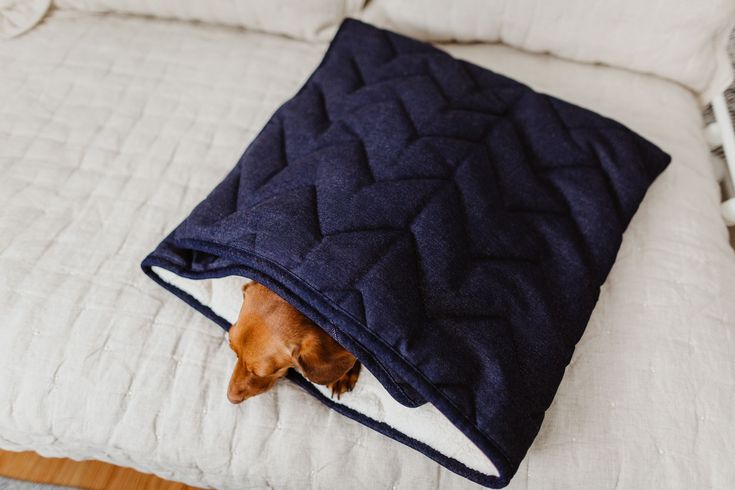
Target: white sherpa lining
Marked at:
424, 424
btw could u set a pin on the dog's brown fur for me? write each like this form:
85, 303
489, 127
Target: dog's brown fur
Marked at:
271, 336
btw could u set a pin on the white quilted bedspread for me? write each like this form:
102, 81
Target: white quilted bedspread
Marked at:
112, 128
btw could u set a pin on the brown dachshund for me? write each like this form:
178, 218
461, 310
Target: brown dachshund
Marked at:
271, 336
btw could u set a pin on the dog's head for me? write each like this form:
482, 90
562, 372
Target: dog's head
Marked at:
270, 336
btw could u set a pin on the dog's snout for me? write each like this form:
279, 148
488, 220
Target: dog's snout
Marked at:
236, 389
235, 398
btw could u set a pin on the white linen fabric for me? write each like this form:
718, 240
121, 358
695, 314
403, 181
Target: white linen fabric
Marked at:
311, 19
113, 128
677, 39
682, 40
17, 16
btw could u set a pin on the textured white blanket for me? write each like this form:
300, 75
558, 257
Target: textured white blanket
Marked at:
105, 124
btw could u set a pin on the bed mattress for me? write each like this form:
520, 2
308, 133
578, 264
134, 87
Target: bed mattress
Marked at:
113, 128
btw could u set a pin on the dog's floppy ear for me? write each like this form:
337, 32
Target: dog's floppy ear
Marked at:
321, 359
246, 286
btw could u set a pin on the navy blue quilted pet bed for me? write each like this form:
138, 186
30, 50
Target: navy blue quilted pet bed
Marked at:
448, 225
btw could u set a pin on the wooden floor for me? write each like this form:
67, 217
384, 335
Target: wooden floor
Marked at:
95, 475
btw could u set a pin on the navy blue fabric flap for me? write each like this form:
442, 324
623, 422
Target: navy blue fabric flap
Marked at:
448, 225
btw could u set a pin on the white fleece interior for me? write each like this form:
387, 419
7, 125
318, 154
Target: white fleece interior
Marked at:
425, 423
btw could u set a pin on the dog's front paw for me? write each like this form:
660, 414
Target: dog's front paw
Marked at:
347, 382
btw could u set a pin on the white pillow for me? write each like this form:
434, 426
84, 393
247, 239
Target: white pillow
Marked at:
304, 19
683, 40
17, 16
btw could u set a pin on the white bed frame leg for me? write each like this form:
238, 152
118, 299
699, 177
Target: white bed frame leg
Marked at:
721, 134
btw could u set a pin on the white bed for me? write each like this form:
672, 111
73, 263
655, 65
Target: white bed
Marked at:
106, 125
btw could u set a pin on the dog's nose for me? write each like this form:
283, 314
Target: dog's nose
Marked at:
235, 398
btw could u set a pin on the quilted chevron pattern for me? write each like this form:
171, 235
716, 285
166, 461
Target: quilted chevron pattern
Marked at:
449, 225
